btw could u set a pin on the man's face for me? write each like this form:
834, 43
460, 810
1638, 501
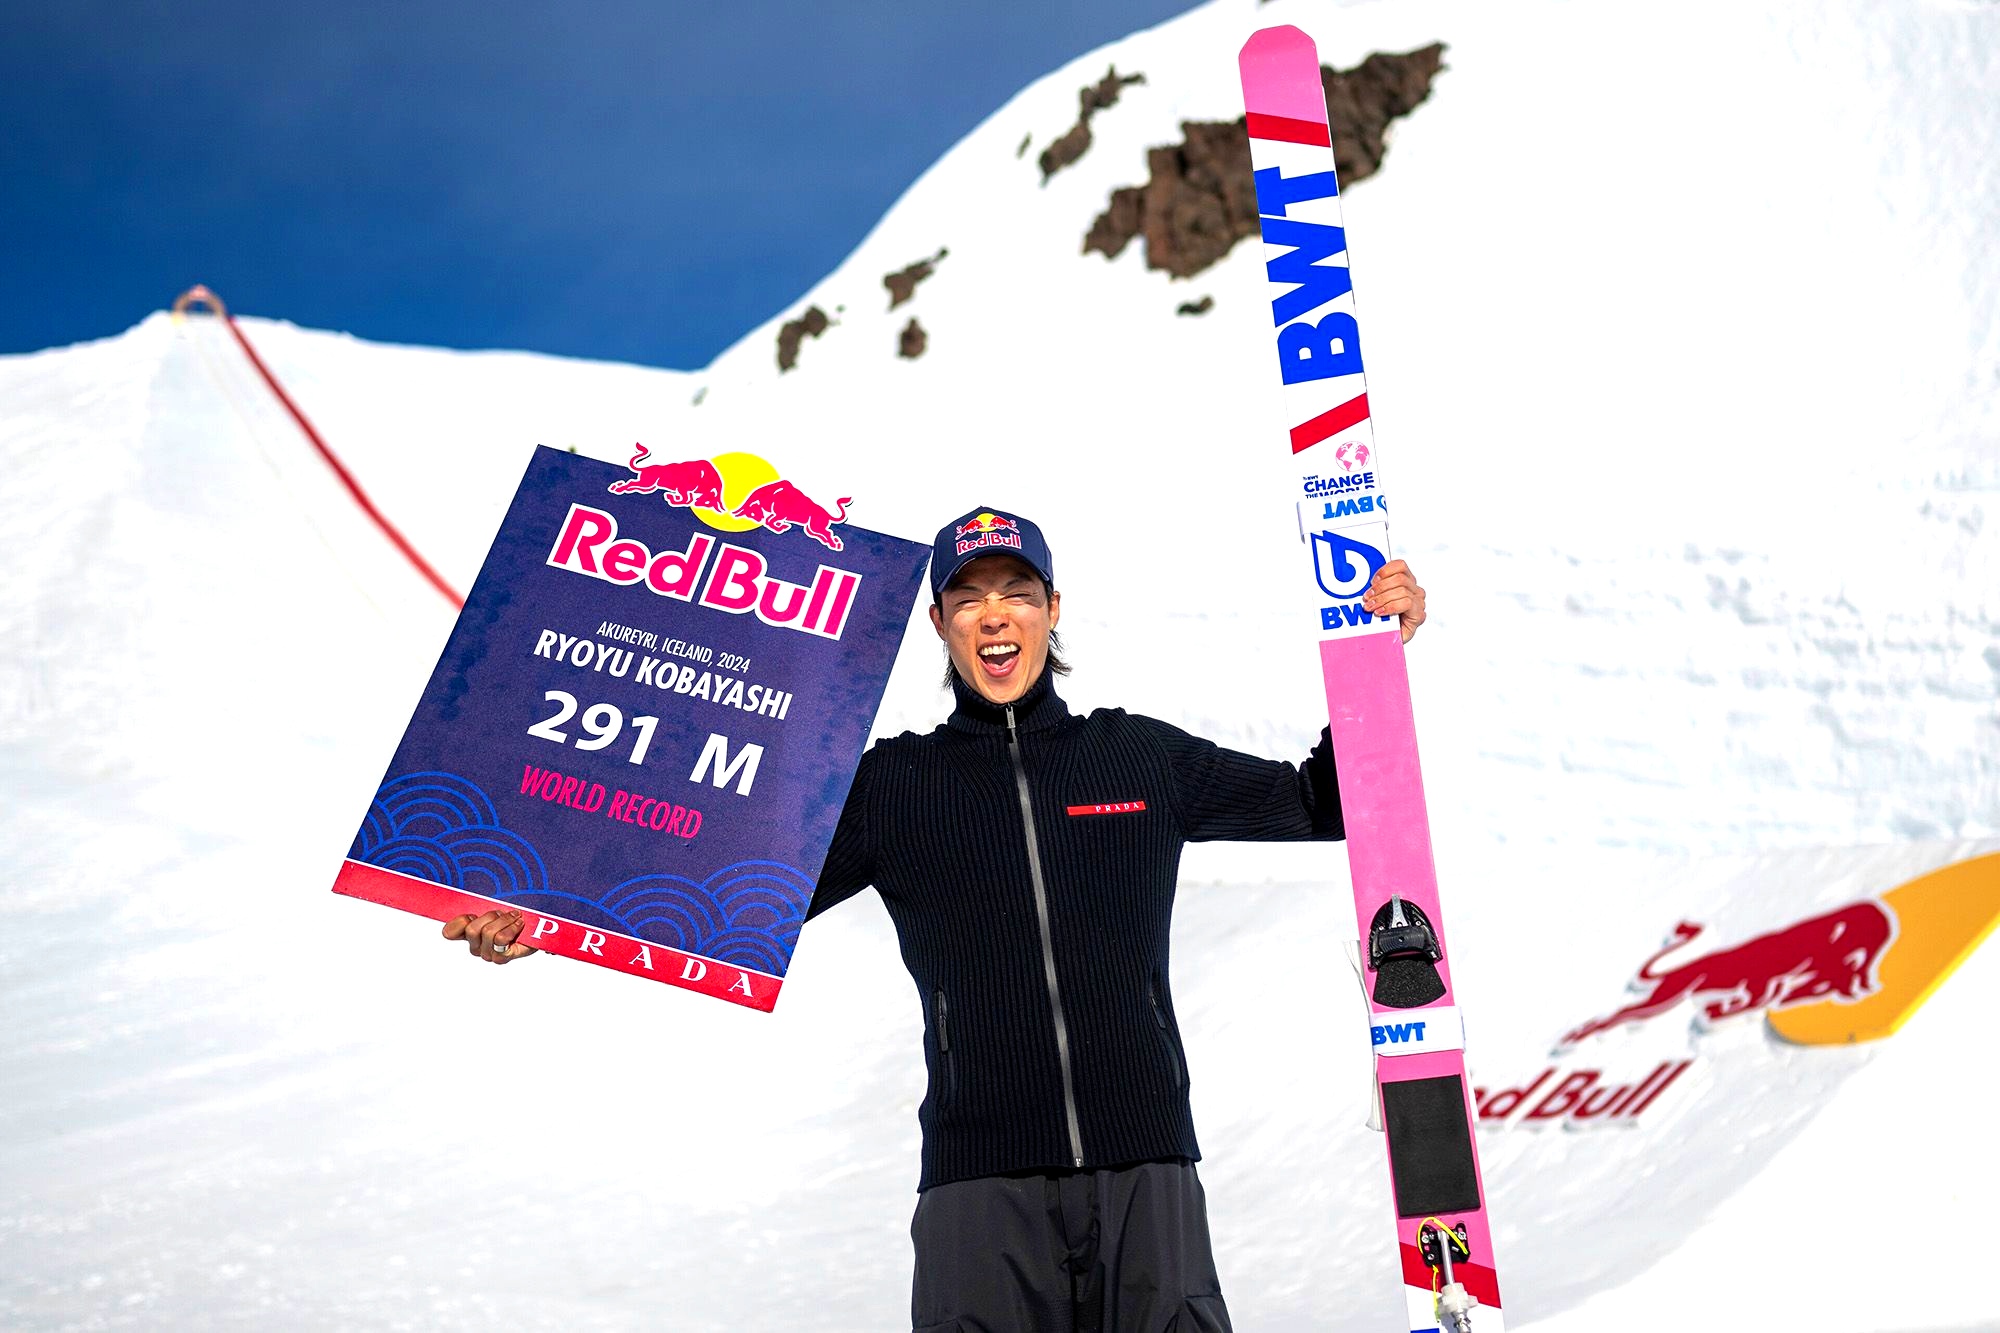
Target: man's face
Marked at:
995, 619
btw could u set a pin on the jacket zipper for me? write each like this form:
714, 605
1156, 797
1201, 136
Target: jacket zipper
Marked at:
1048, 942
944, 1046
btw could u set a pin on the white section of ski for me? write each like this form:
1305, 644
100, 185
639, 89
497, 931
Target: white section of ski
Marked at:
1422, 1307
1374, 1120
1343, 561
1416, 1031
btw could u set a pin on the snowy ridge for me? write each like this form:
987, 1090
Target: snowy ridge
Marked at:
1704, 521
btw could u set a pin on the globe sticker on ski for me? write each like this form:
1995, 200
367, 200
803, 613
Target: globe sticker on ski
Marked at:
734, 492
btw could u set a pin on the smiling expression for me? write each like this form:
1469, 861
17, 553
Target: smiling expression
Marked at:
995, 618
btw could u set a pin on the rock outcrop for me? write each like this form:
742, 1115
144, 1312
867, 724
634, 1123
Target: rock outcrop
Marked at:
902, 284
795, 331
1092, 99
1201, 200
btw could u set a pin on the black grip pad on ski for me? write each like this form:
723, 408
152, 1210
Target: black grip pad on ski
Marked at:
1430, 1146
1404, 958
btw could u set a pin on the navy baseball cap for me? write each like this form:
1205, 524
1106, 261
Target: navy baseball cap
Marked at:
987, 531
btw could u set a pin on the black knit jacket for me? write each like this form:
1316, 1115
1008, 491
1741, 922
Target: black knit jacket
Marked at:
1049, 1028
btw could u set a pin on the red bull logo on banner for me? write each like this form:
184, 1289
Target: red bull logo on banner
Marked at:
984, 530
738, 581
705, 486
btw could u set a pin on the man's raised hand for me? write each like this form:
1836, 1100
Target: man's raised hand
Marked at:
1394, 592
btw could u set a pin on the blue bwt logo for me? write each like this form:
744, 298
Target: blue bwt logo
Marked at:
1389, 1034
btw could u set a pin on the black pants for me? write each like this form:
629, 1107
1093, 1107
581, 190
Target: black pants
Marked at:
1082, 1252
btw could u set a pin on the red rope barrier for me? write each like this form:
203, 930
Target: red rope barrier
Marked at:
199, 294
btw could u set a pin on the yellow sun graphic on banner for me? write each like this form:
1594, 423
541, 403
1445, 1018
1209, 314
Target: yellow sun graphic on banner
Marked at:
741, 474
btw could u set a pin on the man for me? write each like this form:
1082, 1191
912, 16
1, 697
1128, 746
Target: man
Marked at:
1028, 858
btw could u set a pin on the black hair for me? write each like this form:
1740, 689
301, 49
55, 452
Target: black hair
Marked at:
1055, 666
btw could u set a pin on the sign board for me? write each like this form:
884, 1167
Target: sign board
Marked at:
644, 724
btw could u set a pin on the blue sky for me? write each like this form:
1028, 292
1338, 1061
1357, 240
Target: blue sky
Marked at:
634, 181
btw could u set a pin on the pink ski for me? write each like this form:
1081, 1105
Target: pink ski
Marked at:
1442, 1233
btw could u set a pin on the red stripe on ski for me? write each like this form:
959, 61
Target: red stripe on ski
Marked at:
620, 953
1350, 413
1479, 1279
1286, 129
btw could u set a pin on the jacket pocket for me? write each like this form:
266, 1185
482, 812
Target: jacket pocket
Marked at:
1167, 1035
942, 1011
1200, 1314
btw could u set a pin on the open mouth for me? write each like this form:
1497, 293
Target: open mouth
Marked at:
998, 660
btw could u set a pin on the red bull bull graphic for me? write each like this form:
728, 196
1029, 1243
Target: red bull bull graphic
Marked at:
705, 486
692, 484
779, 506
1831, 955
984, 530
1941, 919
1856, 973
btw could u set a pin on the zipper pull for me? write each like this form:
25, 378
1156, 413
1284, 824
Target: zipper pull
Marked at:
1013, 738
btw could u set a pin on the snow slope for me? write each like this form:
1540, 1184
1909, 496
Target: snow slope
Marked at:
1732, 660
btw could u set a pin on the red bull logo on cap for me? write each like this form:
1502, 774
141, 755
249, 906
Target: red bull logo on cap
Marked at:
987, 529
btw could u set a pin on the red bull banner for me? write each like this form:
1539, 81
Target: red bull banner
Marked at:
644, 723
1839, 978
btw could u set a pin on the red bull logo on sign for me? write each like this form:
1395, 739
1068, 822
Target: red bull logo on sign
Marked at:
738, 580
779, 506
984, 530
706, 484
693, 483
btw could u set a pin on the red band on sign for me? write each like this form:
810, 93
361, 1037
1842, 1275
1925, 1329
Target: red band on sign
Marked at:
572, 939
1263, 126
1108, 808
1350, 413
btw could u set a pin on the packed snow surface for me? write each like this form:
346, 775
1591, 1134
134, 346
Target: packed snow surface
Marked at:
1682, 354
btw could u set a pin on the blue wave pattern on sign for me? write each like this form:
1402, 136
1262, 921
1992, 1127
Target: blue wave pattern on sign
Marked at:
748, 913
439, 827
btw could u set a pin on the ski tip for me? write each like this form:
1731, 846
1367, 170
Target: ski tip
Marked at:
1280, 71
1281, 43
